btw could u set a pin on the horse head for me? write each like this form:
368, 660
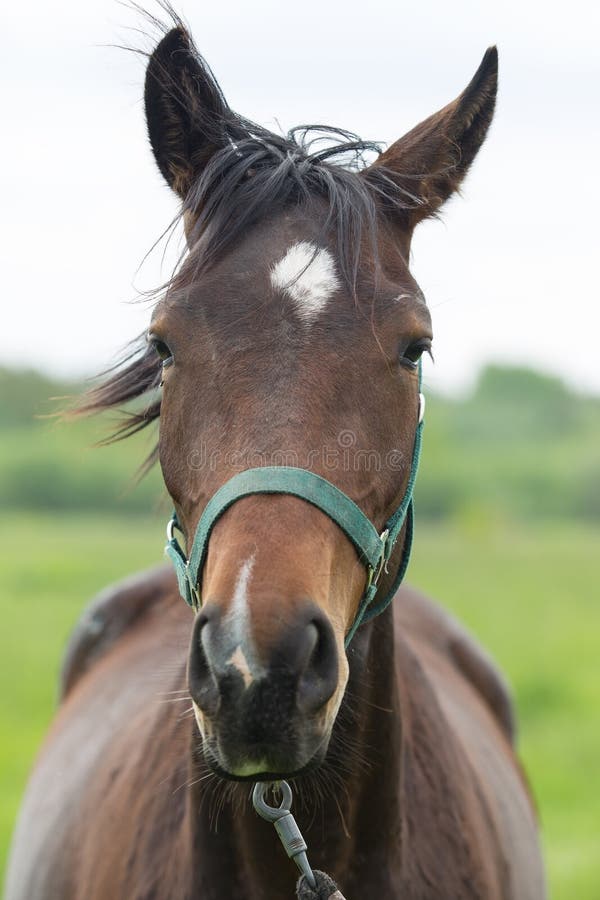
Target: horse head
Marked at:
290, 336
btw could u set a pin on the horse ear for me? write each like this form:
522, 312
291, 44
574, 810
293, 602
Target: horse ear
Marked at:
186, 112
428, 164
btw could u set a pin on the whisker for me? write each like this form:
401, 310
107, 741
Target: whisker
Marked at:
385, 709
175, 699
182, 691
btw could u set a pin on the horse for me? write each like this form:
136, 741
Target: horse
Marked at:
290, 336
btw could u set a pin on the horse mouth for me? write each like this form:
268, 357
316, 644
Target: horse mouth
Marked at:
265, 776
248, 772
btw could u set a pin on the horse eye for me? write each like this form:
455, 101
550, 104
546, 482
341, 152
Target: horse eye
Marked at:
162, 350
413, 353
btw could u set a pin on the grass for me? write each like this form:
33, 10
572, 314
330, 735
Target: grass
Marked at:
526, 593
530, 596
51, 565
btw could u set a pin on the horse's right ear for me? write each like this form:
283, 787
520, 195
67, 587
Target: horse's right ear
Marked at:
186, 112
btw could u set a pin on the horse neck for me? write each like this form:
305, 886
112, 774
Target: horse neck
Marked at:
348, 810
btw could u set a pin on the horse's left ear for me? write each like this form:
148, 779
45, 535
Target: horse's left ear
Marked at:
186, 112
429, 162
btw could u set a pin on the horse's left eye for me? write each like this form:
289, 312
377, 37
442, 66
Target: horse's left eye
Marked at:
412, 354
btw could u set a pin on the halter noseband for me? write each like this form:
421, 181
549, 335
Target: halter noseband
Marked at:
374, 549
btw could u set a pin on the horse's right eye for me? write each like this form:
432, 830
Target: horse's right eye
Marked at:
162, 350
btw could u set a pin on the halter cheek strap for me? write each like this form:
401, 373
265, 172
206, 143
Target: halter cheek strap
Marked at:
374, 549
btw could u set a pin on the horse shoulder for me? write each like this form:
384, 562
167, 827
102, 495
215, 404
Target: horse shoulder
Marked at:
108, 617
429, 622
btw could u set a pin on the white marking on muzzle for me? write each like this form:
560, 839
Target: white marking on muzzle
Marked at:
307, 275
238, 621
238, 616
239, 661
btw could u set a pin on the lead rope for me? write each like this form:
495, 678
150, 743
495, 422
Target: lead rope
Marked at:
312, 884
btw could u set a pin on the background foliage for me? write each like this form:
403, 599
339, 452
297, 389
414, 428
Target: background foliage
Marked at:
508, 516
521, 446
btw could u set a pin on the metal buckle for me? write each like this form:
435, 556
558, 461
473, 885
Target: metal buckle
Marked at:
375, 574
194, 590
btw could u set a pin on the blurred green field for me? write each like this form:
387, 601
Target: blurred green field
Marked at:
526, 591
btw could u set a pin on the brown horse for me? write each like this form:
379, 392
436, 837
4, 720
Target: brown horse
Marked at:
290, 336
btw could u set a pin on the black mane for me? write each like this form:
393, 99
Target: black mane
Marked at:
259, 172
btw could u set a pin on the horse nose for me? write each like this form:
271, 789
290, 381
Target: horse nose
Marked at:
299, 663
203, 667
318, 665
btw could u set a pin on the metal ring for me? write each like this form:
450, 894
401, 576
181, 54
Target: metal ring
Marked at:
171, 524
272, 813
383, 560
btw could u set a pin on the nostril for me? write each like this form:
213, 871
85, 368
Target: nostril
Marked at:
318, 680
202, 683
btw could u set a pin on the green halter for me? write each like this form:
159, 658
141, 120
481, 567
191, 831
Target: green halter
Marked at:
374, 549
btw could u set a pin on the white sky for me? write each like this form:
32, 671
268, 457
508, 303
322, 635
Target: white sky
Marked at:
510, 274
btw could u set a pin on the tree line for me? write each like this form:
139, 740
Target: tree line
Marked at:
520, 446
